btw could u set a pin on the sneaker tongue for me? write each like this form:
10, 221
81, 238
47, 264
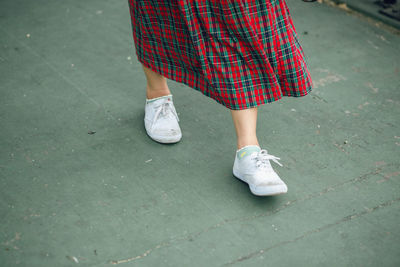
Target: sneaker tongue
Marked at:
247, 151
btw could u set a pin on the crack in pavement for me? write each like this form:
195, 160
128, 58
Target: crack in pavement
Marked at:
191, 237
319, 229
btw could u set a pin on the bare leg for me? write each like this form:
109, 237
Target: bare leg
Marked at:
245, 122
156, 84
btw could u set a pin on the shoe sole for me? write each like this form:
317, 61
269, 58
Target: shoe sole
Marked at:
264, 190
164, 140
269, 190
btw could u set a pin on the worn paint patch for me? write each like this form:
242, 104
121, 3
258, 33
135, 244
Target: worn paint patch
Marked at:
375, 90
388, 176
329, 78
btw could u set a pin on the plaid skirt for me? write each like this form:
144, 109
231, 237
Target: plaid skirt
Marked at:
241, 53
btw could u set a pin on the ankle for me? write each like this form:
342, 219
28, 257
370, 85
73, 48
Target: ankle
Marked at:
241, 144
153, 93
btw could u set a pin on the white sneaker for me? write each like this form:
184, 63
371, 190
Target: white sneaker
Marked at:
161, 120
255, 169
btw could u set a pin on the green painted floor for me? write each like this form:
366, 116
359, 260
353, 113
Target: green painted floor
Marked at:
370, 8
69, 198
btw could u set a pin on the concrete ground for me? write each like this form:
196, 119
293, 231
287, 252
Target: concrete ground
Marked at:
371, 8
69, 198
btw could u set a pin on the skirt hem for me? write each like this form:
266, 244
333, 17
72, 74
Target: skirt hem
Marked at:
198, 84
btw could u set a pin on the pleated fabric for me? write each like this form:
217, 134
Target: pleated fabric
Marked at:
241, 53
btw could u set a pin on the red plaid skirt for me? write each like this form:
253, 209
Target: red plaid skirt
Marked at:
241, 53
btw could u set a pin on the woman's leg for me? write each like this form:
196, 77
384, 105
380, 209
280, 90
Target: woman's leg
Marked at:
160, 118
156, 84
245, 122
262, 179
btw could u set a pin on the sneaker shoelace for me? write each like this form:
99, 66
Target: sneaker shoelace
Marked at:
262, 159
164, 109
